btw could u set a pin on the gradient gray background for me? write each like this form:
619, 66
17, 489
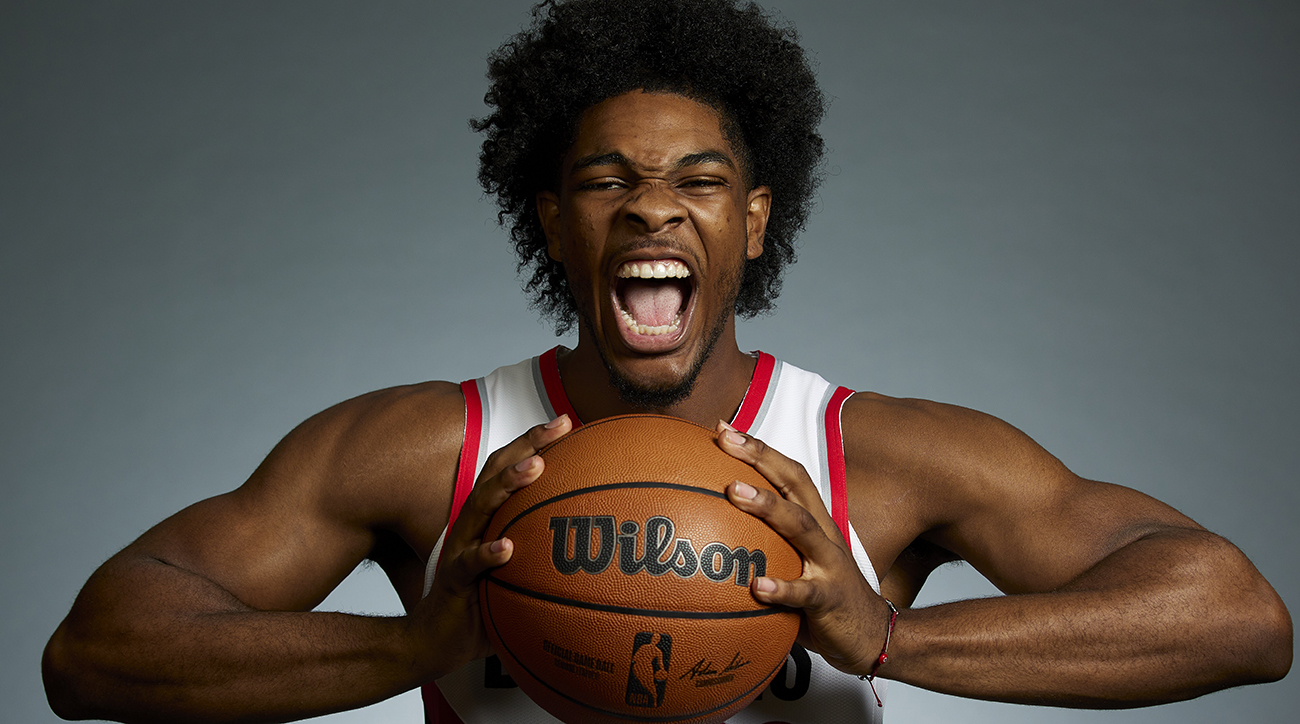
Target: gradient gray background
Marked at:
218, 219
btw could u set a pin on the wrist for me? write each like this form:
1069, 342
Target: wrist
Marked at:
440, 636
419, 646
883, 657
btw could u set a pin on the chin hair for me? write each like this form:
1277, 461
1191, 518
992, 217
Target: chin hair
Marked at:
654, 398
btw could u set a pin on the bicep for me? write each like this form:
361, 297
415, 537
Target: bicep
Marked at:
1025, 521
266, 549
317, 505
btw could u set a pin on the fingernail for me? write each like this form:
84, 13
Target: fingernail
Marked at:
498, 545
556, 422
734, 437
764, 585
726, 426
745, 491
524, 466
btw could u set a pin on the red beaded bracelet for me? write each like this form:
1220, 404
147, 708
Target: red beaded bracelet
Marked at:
884, 653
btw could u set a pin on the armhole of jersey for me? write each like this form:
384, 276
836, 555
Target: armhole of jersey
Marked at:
436, 708
469, 448
466, 470
835, 463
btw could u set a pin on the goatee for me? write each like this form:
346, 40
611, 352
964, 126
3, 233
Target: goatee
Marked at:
660, 397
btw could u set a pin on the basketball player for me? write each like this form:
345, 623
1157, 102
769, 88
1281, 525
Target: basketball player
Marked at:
655, 160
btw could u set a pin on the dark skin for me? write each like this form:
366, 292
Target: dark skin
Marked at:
207, 616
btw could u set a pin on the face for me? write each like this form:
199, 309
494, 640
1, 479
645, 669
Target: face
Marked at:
653, 223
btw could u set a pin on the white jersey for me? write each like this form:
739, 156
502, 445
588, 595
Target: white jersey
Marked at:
794, 411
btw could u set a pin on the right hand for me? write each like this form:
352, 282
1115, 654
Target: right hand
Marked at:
448, 619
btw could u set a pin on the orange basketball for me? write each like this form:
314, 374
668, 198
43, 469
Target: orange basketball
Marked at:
627, 597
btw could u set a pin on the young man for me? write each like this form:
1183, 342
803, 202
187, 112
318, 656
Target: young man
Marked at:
655, 160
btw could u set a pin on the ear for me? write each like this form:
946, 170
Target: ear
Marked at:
757, 208
548, 213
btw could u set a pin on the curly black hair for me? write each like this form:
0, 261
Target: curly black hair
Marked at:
733, 57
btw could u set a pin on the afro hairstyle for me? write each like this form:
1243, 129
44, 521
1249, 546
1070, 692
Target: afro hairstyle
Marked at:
730, 56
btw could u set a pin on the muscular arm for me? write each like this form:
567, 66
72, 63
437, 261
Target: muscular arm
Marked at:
1115, 598
207, 616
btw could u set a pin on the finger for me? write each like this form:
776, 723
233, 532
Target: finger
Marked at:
833, 624
524, 446
798, 593
813, 596
790, 520
508, 469
786, 475
460, 575
487, 496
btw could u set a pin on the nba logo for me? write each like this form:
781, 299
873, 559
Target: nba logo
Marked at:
647, 675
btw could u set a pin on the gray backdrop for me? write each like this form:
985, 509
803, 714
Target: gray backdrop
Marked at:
218, 219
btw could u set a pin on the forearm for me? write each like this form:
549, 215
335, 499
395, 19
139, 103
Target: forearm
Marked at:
231, 667
1168, 617
180, 649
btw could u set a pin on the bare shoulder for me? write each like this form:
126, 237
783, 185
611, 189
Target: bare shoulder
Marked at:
927, 443
376, 458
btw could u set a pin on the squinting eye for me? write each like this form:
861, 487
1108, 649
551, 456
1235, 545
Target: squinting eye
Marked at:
599, 185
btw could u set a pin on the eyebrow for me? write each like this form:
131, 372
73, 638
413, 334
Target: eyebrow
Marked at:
691, 159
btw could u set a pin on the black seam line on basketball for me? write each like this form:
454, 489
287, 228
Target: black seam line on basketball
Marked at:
650, 612
611, 486
487, 608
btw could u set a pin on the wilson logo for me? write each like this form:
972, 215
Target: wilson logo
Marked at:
589, 544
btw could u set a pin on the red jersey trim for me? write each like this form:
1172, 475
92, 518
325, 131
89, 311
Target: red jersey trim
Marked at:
549, 364
835, 462
468, 448
757, 392
436, 708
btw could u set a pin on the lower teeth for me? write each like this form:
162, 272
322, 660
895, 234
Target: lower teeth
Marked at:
650, 331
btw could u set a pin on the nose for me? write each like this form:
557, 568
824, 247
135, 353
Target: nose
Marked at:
652, 206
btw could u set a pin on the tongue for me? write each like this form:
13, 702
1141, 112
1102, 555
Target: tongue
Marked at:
652, 303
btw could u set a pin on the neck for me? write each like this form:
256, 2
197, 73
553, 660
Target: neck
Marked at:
719, 388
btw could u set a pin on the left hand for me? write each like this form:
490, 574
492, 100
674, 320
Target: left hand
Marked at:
844, 620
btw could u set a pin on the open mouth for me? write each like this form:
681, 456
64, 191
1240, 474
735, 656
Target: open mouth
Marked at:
653, 296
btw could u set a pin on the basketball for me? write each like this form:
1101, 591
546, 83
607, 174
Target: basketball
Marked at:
627, 597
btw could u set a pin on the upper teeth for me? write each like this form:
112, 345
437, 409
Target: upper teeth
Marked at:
665, 269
